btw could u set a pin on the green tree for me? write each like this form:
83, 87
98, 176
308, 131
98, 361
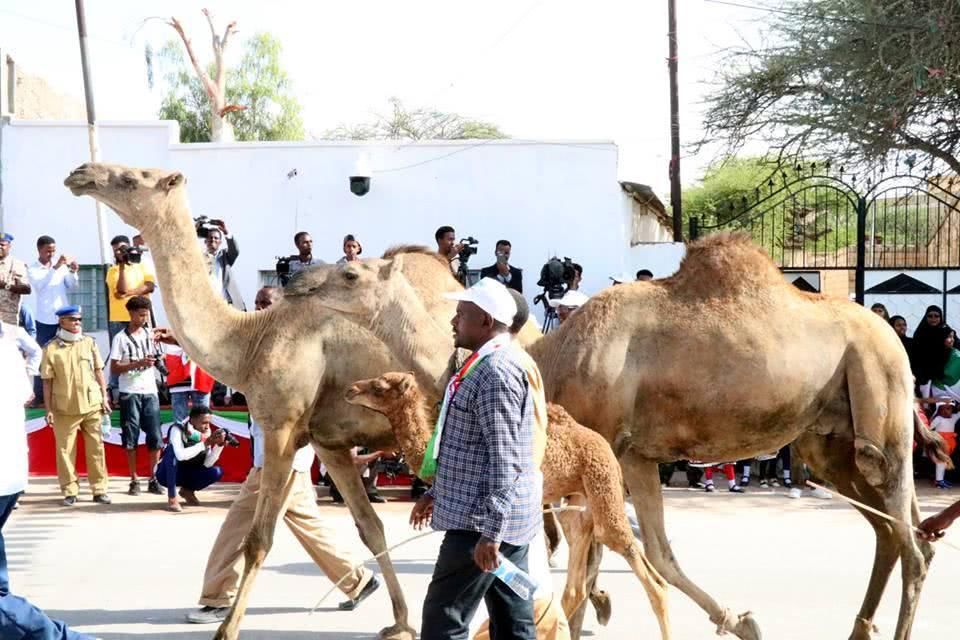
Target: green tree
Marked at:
853, 79
417, 124
257, 91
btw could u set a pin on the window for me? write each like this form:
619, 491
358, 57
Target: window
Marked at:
91, 294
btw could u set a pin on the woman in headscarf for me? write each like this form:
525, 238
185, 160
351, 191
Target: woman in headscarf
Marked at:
927, 353
947, 384
880, 310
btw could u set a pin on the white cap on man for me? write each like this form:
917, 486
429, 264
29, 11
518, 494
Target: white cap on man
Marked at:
571, 299
492, 297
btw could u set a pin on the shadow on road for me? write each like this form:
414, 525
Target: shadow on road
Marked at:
158, 617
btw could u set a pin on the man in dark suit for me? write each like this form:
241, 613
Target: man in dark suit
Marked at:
501, 271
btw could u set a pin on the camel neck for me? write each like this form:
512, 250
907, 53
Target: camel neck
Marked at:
404, 324
214, 334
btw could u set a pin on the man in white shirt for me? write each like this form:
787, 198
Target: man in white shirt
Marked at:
50, 281
226, 561
18, 618
133, 356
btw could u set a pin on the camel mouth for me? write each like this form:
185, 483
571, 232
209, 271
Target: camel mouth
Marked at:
80, 182
351, 394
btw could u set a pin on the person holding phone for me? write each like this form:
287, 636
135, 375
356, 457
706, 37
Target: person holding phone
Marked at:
507, 275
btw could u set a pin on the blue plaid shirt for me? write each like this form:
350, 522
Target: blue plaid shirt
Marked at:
485, 477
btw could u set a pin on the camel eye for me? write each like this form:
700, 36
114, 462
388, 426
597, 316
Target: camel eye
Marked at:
128, 181
350, 275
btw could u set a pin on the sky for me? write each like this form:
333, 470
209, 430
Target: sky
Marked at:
539, 69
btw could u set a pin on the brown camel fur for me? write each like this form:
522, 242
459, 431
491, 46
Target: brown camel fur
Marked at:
724, 360
292, 362
577, 461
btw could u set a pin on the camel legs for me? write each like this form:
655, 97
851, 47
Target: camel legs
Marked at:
278, 460
643, 479
894, 542
578, 530
340, 466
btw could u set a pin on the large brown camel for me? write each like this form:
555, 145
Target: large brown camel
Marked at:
723, 361
577, 461
292, 362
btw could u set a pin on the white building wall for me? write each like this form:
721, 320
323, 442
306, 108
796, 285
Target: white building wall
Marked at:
559, 198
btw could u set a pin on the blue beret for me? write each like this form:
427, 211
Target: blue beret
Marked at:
69, 310
6, 237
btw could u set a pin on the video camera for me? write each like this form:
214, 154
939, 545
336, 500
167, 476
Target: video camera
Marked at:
229, 438
283, 269
468, 248
205, 225
555, 276
131, 255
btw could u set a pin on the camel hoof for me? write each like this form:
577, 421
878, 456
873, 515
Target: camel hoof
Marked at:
602, 605
864, 630
747, 628
398, 632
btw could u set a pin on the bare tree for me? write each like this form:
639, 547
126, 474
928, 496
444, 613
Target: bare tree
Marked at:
417, 124
215, 86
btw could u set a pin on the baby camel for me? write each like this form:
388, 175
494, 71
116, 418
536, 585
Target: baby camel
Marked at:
577, 461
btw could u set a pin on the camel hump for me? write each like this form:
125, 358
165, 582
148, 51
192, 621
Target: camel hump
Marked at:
724, 263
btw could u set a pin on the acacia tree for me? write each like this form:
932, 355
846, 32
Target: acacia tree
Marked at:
856, 79
417, 124
258, 88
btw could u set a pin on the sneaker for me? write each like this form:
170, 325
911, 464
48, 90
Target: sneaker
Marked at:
787, 483
69, 501
350, 605
820, 493
208, 615
737, 489
174, 506
794, 493
102, 499
776, 483
710, 488
745, 481
134, 489
943, 484
154, 487
763, 484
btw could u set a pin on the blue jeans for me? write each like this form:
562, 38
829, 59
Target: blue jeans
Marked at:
20, 620
172, 474
181, 410
45, 333
458, 585
140, 412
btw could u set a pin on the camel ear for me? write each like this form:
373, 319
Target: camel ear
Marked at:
406, 382
172, 181
393, 264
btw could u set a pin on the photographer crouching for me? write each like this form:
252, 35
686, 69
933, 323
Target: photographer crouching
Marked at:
189, 459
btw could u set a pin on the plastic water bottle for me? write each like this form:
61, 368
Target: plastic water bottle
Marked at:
105, 425
516, 578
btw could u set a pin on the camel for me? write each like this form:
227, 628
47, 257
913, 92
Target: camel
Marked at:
292, 362
577, 461
723, 360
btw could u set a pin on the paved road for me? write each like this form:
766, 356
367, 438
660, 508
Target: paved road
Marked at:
133, 570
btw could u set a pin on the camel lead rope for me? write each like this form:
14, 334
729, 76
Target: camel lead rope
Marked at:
881, 514
337, 584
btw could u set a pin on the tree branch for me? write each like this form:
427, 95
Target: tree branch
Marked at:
211, 89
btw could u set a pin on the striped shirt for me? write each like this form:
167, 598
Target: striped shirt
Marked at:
485, 479
128, 347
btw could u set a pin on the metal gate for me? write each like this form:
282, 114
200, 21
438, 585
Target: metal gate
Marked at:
896, 235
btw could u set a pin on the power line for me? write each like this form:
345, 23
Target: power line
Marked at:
62, 27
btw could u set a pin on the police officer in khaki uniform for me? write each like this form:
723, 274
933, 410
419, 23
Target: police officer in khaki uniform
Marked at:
74, 393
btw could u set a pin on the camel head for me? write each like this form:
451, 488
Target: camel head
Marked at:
137, 195
357, 288
383, 393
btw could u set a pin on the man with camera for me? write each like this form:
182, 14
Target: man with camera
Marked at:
509, 276
226, 561
220, 259
127, 278
189, 459
448, 247
134, 355
14, 282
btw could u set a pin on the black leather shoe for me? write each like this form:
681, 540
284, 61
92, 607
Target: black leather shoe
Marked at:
350, 605
69, 501
102, 499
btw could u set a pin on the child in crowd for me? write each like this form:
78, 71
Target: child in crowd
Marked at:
945, 423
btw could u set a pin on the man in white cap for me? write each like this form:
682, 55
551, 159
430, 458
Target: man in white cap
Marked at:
570, 302
484, 493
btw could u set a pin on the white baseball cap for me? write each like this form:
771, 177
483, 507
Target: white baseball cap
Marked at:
570, 299
492, 297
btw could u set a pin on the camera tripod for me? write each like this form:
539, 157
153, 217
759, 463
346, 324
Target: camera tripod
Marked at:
550, 320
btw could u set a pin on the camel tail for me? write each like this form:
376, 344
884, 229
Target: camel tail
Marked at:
933, 445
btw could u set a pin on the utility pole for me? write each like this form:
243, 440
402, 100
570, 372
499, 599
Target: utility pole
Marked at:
675, 203
91, 124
